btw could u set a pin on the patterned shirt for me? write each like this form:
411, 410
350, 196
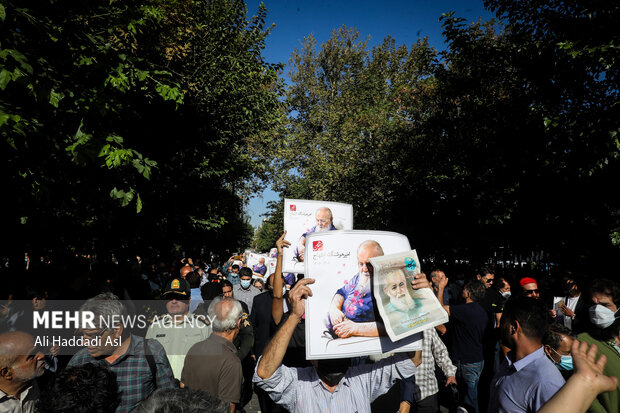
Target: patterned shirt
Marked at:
301, 390
433, 351
133, 373
357, 306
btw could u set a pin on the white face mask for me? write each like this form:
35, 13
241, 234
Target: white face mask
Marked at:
601, 316
506, 294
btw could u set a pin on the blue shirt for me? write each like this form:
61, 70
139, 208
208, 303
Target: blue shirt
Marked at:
301, 390
357, 306
196, 298
525, 385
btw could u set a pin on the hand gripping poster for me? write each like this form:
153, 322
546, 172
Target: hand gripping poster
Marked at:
302, 218
404, 311
341, 318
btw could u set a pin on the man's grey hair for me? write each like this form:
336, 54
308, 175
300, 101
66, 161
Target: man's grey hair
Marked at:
107, 308
181, 400
223, 321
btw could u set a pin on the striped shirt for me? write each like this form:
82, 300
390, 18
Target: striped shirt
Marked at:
133, 373
301, 390
433, 351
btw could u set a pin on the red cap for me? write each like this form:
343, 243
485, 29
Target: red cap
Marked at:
527, 280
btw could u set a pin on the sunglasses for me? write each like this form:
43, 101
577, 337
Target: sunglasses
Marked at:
530, 292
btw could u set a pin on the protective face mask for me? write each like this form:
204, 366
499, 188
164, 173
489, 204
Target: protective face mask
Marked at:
601, 316
246, 283
506, 294
332, 371
566, 362
234, 275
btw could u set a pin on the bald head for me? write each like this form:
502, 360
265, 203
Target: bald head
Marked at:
225, 313
366, 250
186, 269
324, 219
13, 344
19, 361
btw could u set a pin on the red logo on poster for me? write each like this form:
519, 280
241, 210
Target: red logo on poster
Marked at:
317, 245
292, 207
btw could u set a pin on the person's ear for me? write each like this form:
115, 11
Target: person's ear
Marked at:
6, 373
514, 327
118, 331
548, 350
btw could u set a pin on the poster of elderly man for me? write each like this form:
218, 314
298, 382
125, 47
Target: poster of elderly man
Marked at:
341, 318
404, 311
302, 218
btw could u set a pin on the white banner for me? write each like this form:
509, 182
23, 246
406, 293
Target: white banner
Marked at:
253, 261
340, 316
404, 311
301, 218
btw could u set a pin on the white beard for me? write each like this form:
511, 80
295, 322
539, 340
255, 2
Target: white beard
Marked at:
404, 302
363, 283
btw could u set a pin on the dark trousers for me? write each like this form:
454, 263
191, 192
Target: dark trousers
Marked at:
427, 405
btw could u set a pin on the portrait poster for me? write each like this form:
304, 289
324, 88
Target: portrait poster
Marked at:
252, 260
340, 315
404, 311
271, 265
301, 218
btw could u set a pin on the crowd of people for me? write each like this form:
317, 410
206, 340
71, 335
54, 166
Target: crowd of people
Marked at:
218, 333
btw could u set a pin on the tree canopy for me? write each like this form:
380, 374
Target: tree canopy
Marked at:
505, 140
131, 123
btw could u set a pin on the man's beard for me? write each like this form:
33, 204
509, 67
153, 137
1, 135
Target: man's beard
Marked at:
319, 228
403, 302
363, 284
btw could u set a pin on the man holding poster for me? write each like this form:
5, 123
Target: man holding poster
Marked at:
330, 385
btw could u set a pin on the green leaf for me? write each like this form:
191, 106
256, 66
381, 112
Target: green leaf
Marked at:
138, 204
2, 13
5, 78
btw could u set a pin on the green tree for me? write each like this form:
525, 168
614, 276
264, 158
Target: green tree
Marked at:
348, 123
132, 122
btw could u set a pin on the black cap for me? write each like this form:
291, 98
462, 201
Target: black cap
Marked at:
178, 286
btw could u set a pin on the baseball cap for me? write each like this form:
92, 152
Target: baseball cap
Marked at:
178, 286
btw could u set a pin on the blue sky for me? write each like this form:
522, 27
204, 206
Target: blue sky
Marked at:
405, 21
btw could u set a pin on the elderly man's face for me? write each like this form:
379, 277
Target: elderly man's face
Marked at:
363, 257
323, 220
261, 261
396, 289
29, 364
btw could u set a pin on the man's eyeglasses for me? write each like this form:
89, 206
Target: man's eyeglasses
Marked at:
530, 292
95, 334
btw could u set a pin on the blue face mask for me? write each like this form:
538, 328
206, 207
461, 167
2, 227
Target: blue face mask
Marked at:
566, 362
245, 283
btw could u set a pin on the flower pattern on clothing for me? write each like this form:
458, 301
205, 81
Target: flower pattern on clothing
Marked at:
358, 305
